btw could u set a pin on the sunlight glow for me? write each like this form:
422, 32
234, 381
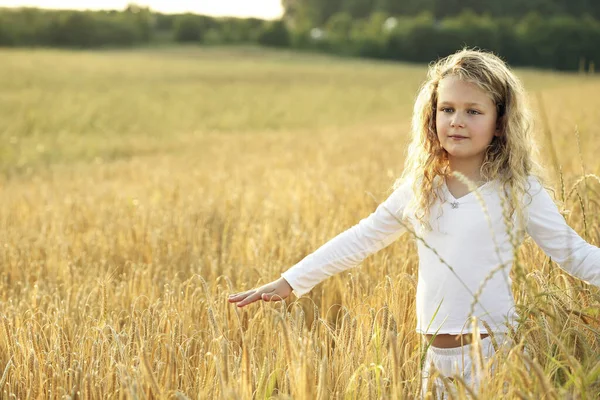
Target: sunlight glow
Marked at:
266, 9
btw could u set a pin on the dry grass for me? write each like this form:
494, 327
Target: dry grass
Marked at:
139, 188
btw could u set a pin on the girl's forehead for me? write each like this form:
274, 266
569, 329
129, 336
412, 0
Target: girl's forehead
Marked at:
453, 88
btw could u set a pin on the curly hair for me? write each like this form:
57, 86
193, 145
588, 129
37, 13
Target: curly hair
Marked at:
511, 157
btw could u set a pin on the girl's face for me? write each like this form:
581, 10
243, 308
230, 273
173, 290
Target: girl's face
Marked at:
465, 119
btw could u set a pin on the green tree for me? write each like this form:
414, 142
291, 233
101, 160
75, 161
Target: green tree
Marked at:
338, 30
142, 20
358, 8
368, 37
421, 38
310, 13
406, 7
188, 29
469, 29
275, 34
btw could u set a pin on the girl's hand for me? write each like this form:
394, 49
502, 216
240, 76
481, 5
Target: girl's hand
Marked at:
274, 291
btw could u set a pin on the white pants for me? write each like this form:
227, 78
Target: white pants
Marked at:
457, 361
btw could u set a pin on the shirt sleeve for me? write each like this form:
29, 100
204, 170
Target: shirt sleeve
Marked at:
350, 247
550, 231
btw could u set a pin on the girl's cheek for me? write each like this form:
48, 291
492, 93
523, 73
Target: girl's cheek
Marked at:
439, 121
440, 124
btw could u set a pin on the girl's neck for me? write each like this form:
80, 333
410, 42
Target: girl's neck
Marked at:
471, 169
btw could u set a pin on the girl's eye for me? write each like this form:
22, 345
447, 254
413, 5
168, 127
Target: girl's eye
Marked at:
449, 110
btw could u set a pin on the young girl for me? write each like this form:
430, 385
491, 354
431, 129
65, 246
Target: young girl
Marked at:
469, 192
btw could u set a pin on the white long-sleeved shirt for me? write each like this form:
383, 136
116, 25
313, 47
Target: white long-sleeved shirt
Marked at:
462, 238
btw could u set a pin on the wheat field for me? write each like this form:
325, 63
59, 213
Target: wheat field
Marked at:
140, 187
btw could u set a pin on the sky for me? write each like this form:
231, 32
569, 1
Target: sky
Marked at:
266, 9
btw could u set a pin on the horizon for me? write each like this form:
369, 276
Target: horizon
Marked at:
264, 9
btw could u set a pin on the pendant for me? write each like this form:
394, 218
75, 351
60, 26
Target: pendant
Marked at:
454, 204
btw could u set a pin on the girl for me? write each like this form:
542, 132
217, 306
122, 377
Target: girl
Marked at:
469, 192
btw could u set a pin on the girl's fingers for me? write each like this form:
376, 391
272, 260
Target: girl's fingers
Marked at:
250, 299
253, 295
234, 298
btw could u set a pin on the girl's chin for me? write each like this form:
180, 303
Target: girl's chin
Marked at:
462, 155
458, 152
453, 151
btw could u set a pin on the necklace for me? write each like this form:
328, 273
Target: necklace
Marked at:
455, 204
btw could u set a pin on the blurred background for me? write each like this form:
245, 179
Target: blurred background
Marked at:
559, 34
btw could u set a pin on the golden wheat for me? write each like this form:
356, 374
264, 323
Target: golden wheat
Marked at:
140, 187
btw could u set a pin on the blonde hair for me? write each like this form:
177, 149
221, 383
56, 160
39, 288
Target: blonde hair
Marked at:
510, 157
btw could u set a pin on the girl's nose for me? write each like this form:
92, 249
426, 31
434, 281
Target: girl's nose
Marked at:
456, 122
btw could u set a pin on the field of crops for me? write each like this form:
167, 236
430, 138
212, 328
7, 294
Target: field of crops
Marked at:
138, 188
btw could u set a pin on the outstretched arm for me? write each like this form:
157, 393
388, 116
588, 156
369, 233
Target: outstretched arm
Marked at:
558, 240
350, 247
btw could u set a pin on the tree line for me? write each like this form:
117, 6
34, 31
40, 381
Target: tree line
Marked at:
318, 12
411, 31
